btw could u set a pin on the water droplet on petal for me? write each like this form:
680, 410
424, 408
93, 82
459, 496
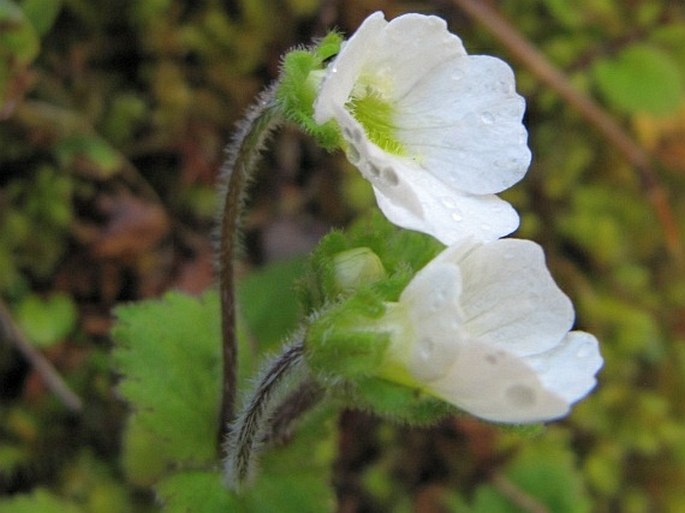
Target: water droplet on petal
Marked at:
353, 155
427, 346
390, 176
448, 202
457, 74
505, 87
487, 117
374, 171
456, 216
584, 350
520, 395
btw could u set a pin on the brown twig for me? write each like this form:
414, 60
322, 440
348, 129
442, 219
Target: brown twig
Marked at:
516, 495
10, 332
539, 65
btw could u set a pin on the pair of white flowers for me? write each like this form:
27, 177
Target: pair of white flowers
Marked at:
438, 134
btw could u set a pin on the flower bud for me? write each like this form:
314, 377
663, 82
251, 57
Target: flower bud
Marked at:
356, 267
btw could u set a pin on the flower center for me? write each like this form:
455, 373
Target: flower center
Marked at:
375, 114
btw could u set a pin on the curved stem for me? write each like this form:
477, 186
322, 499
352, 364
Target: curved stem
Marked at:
243, 153
307, 395
279, 376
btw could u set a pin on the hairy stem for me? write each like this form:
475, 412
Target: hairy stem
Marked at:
280, 375
307, 395
243, 154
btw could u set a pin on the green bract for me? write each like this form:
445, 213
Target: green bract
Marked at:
400, 252
301, 72
346, 342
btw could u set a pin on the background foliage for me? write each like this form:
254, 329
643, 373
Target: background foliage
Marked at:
113, 116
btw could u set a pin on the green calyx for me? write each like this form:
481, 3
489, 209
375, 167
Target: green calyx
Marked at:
400, 254
353, 282
301, 72
376, 116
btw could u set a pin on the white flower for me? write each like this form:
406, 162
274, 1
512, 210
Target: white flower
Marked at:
484, 327
437, 132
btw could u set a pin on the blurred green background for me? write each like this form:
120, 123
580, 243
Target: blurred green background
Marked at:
113, 119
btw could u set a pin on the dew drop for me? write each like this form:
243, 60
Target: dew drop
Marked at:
456, 216
374, 171
427, 348
390, 176
505, 86
491, 358
584, 351
520, 395
448, 202
353, 155
487, 117
457, 74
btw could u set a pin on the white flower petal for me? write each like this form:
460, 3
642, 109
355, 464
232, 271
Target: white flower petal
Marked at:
431, 301
456, 118
345, 69
447, 215
509, 298
569, 369
498, 386
409, 49
484, 327
463, 123
413, 198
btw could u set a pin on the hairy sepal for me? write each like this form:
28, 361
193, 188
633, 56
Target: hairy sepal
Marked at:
298, 88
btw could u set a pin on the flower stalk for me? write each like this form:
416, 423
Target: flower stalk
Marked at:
243, 155
280, 376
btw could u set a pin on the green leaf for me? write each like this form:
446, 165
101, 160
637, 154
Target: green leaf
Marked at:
641, 78
39, 501
102, 159
671, 38
295, 478
169, 355
46, 321
11, 456
18, 39
546, 472
268, 301
197, 491
42, 13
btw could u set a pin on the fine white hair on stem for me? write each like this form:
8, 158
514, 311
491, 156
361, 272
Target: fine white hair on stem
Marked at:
243, 153
279, 376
